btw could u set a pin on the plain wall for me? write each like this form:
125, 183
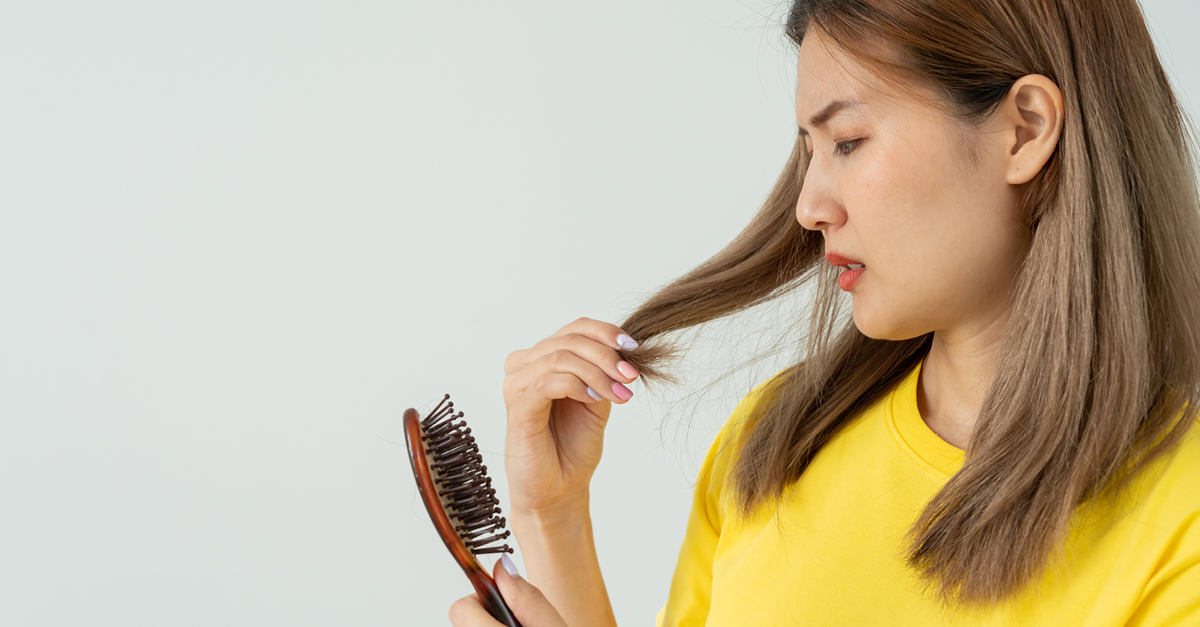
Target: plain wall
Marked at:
240, 238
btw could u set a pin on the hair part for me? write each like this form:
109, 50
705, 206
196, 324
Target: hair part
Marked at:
1100, 374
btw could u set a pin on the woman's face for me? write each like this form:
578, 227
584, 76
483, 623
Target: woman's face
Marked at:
889, 186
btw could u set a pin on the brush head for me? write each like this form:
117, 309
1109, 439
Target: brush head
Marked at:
459, 496
461, 482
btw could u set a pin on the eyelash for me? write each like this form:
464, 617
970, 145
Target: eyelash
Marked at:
840, 149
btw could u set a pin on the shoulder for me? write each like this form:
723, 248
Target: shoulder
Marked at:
1165, 525
1170, 486
1158, 511
750, 408
723, 450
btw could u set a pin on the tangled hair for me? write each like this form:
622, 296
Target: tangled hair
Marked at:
1099, 374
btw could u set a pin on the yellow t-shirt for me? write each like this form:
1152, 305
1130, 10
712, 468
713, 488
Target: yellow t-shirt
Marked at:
833, 552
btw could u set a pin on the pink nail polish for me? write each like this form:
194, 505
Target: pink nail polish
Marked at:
621, 391
627, 369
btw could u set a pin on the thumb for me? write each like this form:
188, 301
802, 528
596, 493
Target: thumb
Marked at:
527, 603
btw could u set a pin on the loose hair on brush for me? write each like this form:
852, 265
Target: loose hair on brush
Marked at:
1099, 375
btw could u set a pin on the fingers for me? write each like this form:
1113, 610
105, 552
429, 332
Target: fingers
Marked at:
578, 363
604, 335
563, 373
607, 334
527, 603
469, 612
603, 356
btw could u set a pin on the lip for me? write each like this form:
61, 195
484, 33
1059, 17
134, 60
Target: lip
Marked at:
839, 260
847, 278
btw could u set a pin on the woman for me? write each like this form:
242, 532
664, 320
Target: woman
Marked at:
1003, 433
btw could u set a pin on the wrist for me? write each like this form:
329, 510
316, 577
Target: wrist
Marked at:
567, 520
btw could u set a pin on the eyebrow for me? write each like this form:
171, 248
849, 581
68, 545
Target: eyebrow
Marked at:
828, 111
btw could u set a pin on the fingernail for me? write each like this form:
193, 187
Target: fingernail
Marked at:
621, 391
594, 394
627, 369
509, 566
626, 342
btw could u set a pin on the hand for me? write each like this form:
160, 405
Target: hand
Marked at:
555, 427
526, 602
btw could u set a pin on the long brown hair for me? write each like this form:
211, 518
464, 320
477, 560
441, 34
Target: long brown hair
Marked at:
1103, 338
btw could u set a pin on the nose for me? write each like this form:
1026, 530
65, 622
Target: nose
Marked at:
818, 207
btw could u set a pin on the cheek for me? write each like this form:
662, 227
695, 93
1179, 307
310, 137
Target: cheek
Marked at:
898, 221
909, 226
943, 241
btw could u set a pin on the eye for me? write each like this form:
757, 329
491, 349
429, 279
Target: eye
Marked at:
842, 149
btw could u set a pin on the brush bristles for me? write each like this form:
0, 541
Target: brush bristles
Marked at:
461, 480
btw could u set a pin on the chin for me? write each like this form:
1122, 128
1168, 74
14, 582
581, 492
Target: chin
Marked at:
881, 326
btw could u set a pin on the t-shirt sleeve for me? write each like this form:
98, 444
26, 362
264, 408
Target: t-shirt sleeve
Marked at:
1172, 599
691, 586
1175, 602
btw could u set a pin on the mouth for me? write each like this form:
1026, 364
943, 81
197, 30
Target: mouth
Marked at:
852, 269
844, 262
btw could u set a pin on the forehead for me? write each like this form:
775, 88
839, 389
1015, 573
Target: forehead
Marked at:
825, 73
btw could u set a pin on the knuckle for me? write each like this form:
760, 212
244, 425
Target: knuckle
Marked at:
581, 344
556, 359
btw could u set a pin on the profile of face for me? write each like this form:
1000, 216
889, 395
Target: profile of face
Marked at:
889, 185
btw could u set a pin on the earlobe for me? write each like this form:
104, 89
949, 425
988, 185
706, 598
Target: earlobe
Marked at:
1035, 110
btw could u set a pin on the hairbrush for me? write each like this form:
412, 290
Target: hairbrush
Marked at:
459, 496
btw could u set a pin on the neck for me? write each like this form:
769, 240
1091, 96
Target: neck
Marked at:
955, 377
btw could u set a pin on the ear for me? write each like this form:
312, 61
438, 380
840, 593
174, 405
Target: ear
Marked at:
1033, 116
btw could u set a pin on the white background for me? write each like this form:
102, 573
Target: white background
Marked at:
239, 238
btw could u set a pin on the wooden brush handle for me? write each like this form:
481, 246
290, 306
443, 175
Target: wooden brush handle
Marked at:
489, 596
